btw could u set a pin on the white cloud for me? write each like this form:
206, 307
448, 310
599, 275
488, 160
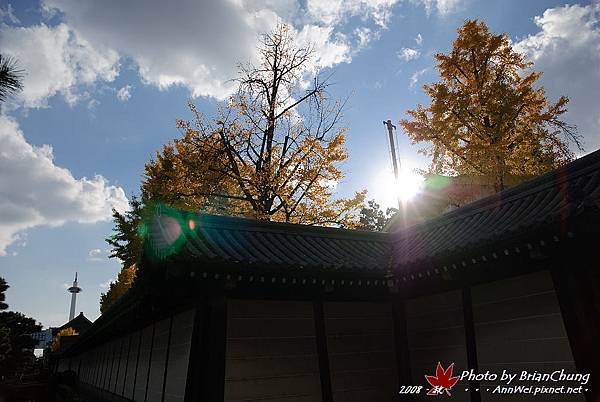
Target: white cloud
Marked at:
407, 54
567, 50
98, 254
329, 50
124, 94
93, 104
416, 76
333, 12
56, 60
196, 44
365, 36
34, 191
8, 15
443, 7
419, 39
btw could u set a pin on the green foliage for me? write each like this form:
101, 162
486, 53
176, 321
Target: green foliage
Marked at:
11, 77
3, 288
127, 240
373, 218
118, 288
5, 346
20, 357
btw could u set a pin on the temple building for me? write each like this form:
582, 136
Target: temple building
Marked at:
230, 309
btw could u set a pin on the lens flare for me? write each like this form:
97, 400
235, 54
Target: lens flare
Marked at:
171, 229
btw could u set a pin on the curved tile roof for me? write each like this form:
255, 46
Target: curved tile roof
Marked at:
551, 199
238, 240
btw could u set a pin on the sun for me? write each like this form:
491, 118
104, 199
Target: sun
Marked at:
405, 188
408, 185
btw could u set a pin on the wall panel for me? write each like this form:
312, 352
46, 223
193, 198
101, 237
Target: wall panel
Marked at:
436, 333
271, 352
159, 360
179, 355
102, 366
518, 326
115, 348
132, 365
360, 345
122, 369
141, 379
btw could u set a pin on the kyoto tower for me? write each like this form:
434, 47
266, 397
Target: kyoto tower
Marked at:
73, 290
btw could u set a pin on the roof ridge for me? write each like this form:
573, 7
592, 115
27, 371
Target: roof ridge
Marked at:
255, 225
568, 172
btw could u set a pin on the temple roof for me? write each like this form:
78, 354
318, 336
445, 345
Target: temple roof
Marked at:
253, 242
548, 202
80, 324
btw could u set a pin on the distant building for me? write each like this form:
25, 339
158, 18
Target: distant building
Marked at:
80, 324
43, 338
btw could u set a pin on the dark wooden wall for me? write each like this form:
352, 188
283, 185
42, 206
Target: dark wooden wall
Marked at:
149, 365
519, 326
336, 351
360, 345
436, 333
271, 352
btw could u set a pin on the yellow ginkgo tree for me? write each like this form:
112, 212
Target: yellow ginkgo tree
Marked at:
272, 152
55, 345
487, 114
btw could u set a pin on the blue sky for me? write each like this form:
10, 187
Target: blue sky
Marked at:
106, 80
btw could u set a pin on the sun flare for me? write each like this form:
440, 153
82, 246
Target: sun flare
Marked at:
405, 188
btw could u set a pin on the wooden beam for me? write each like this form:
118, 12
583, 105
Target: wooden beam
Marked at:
167, 359
150, 361
206, 367
401, 342
194, 371
126, 364
118, 365
321, 339
578, 292
103, 367
471, 342
137, 365
212, 375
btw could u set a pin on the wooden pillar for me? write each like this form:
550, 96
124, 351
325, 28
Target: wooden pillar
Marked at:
321, 339
137, 365
164, 384
194, 371
126, 365
471, 342
118, 365
577, 285
150, 361
401, 342
206, 369
215, 341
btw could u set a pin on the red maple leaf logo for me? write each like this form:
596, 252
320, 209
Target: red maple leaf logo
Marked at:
442, 381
